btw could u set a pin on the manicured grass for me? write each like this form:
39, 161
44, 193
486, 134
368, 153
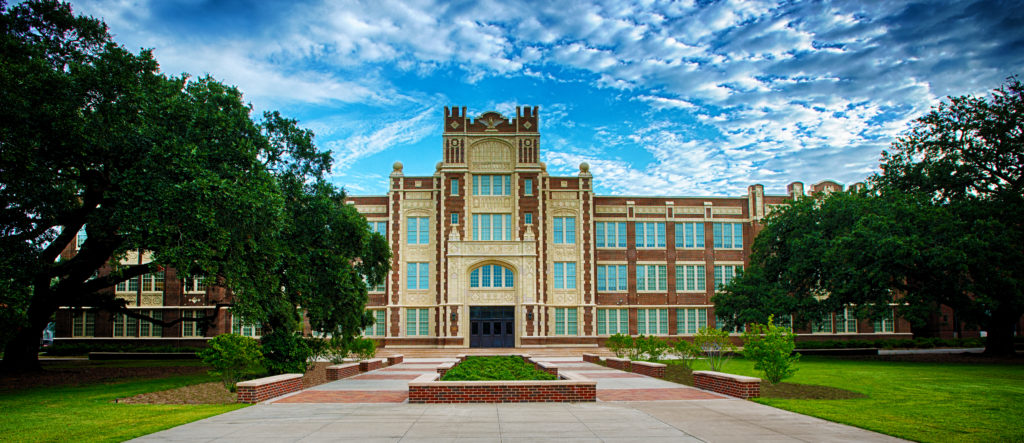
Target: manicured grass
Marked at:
505, 367
912, 400
86, 413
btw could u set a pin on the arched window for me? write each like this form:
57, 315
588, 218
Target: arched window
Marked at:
491, 276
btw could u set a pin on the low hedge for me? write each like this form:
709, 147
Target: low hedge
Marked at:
504, 367
62, 349
917, 343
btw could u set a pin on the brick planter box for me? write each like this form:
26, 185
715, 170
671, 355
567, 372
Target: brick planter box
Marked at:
571, 388
266, 388
338, 372
592, 358
443, 368
622, 364
728, 384
395, 359
371, 365
648, 368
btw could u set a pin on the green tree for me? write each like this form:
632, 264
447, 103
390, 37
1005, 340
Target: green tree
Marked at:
770, 347
716, 346
232, 357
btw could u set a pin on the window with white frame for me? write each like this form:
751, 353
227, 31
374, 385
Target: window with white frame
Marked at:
150, 329
690, 320
418, 230
725, 273
241, 327
886, 323
565, 321
783, 321
455, 186
846, 322
613, 321
728, 235
417, 321
130, 285
565, 275
610, 234
690, 235
652, 321
491, 276
378, 327
417, 275
190, 328
690, 278
194, 285
80, 238
492, 185
379, 227
612, 278
492, 227
153, 282
650, 235
822, 325
124, 326
564, 230
527, 186
83, 324
651, 278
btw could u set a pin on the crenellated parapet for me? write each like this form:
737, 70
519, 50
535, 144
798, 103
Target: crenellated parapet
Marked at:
456, 121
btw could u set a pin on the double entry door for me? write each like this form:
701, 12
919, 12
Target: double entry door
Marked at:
492, 326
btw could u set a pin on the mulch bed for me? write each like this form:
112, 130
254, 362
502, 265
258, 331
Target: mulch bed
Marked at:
215, 393
682, 375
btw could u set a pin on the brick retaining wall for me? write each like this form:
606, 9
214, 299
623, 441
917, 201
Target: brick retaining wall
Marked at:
395, 359
728, 384
572, 388
338, 372
648, 368
592, 358
266, 388
371, 365
622, 364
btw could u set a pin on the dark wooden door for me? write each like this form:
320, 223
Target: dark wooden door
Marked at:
492, 326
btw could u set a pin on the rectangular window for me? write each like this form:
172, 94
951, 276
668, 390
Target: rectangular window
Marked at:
610, 234
455, 218
246, 329
690, 235
650, 235
720, 323
378, 327
417, 275
612, 321
690, 278
528, 218
690, 320
652, 321
885, 324
611, 278
527, 186
379, 227
822, 326
83, 324
492, 227
565, 275
565, 321
846, 323
190, 328
455, 186
565, 230
651, 278
418, 230
492, 185
194, 285
125, 326
725, 274
80, 238
153, 282
149, 329
728, 235
417, 321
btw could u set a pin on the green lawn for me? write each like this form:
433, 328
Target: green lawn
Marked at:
916, 401
85, 413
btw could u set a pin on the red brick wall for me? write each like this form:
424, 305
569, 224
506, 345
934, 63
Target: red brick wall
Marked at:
266, 391
649, 369
502, 393
621, 364
338, 372
371, 365
724, 384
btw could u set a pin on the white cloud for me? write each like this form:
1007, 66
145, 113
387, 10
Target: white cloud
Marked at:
398, 132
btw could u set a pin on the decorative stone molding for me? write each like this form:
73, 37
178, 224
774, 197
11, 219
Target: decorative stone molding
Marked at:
610, 209
372, 209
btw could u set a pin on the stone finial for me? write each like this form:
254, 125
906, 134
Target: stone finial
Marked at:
584, 169
543, 166
397, 166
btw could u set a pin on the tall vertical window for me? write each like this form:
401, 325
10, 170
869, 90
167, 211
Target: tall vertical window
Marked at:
492, 227
417, 321
378, 327
528, 218
492, 185
455, 218
728, 235
194, 285
651, 278
153, 282
652, 321
846, 323
822, 325
417, 275
83, 324
190, 328
379, 227
612, 321
612, 278
527, 186
565, 230
610, 234
690, 278
80, 238
246, 329
690, 235
565, 275
886, 323
130, 285
690, 320
418, 230
565, 321
149, 329
455, 186
725, 274
650, 235
125, 326
491, 276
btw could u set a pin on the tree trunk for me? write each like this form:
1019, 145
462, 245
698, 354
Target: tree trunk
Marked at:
22, 353
1000, 334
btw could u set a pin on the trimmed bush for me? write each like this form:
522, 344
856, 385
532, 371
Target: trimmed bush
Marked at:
232, 357
619, 344
504, 367
650, 348
771, 349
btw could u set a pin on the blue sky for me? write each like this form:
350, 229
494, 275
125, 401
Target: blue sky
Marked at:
677, 98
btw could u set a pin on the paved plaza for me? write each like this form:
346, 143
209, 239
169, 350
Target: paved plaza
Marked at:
372, 407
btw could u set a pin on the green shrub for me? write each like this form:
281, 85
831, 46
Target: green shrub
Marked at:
716, 346
687, 352
619, 344
770, 347
363, 348
650, 348
61, 349
504, 367
232, 357
285, 353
